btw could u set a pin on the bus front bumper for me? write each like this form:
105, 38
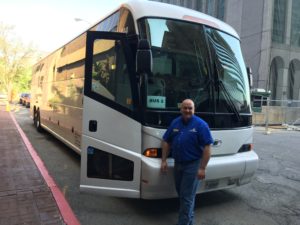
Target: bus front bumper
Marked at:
222, 172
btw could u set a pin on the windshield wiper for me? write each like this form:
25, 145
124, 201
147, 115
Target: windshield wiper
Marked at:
220, 84
228, 99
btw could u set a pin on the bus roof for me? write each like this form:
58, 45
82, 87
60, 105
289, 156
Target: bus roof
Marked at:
147, 8
143, 8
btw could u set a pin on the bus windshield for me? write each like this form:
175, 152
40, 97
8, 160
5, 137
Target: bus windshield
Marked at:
194, 61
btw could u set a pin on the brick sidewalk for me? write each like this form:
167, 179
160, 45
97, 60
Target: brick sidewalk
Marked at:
25, 197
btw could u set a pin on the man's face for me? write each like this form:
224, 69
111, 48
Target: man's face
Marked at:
187, 109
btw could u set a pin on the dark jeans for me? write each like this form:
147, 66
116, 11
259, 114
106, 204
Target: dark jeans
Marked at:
186, 183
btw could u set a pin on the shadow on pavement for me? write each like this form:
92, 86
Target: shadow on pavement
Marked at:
165, 206
45, 135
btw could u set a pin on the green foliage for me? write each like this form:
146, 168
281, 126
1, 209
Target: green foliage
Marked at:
23, 80
16, 59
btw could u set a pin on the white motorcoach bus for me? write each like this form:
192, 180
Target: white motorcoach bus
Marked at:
111, 92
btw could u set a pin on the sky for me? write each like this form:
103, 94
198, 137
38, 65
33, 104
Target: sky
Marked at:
49, 24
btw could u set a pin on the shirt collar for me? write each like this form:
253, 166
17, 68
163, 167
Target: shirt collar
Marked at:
188, 122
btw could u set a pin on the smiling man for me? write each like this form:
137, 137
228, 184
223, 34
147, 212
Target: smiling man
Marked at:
189, 140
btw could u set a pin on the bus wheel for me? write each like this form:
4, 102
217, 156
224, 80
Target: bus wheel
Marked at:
37, 121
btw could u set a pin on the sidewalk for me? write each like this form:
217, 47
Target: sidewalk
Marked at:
25, 195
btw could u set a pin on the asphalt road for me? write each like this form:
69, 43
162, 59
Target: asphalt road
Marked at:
272, 198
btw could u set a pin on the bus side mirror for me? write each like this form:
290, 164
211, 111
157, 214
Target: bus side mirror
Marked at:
144, 57
250, 76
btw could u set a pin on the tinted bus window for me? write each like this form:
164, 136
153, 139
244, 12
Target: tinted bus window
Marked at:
126, 23
110, 23
110, 77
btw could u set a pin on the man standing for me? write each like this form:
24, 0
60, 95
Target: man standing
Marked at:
189, 139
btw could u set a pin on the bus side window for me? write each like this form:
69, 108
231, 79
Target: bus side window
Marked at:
110, 77
126, 22
108, 24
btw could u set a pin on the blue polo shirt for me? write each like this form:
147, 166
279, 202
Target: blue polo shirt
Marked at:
187, 140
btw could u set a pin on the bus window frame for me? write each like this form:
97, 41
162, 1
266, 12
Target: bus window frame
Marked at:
129, 59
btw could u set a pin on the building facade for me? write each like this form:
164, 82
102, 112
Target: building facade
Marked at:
270, 37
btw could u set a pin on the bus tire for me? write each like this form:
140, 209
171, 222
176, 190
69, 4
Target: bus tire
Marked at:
37, 121
33, 115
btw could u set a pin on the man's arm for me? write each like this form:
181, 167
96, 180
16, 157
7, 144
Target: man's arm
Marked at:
204, 161
165, 152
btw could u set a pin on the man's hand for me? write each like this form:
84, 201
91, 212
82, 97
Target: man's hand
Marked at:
164, 166
165, 152
201, 174
204, 161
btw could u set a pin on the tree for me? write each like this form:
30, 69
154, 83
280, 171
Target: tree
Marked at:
16, 59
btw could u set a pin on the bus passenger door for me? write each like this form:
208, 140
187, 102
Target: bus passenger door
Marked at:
111, 135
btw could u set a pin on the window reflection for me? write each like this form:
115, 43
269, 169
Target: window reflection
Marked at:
183, 67
110, 77
180, 67
229, 60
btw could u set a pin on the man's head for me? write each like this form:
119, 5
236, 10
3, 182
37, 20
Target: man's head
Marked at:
187, 109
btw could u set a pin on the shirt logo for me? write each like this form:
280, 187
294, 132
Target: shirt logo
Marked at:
193, 130
175, 130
